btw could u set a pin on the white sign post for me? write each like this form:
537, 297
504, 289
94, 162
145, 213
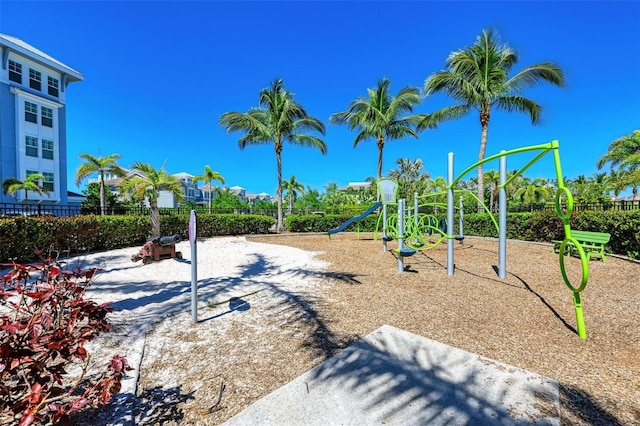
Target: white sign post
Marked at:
194, 267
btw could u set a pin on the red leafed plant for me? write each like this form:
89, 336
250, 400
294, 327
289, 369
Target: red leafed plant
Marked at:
45, 324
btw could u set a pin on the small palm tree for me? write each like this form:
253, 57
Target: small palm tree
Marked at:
293, 187
478, 78
147, 186
279, 119
208, 176
439, 184
380, 116
410, 177
492, 178
31, 183
100, 165
624, 154
534, 192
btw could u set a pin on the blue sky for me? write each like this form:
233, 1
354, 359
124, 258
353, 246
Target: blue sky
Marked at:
158, 75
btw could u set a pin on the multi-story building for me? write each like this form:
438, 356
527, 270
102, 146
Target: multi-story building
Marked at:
33, 125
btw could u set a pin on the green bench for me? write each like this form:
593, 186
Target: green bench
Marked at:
592, 243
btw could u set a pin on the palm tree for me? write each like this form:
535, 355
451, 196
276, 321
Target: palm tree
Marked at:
478, 78
279, 119
380, 116
409, 177
147, 184
493, 179
101, 165
208, 176
624, 154
293, 187
534, 192
439, 184
31, 183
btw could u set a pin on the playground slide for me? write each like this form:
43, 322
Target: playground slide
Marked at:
354, 219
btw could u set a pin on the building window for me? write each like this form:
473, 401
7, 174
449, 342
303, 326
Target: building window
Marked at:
47, 184
47, 116
30, 112
47, 149
53, 86
35, 79
31, 146
15, 71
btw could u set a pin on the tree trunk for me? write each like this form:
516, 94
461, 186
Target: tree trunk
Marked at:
380, 144
103, 201
155, 218
280, 224
209, 197
484, 122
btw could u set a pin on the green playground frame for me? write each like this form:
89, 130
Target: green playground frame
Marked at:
564, 215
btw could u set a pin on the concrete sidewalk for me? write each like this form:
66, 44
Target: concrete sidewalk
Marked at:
394, 377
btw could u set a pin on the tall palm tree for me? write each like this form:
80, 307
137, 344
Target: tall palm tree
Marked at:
207, 177
31, 183
277, 120
477, 77
100, 165
624, 155
381, 116
147, 184
293, 187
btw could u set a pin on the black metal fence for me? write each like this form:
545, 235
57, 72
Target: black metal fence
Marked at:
16, 209
609, 205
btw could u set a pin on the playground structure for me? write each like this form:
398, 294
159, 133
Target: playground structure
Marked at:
423, 232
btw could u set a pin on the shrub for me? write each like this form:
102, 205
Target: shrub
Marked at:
45, 325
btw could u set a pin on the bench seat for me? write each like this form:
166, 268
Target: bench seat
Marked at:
593, 243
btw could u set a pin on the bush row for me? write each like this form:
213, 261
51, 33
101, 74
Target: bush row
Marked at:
20, 236
624, 226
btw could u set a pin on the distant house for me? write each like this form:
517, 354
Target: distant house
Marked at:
356, 185
33, 120
204, 189
190, 189
197, 194
253, 198
240, 192
165, 198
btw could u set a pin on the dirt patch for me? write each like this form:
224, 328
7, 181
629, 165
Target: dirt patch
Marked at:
203, 374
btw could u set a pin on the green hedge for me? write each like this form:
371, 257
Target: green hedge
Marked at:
323, 223
20, 236
624, 226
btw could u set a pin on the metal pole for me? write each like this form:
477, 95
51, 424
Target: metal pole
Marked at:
502, 219
384, 228
194, 267
450, 213
400, 234
461, 219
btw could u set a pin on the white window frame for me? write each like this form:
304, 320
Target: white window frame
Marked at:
28, 107
35, 78
46, 113
31, 146
47, 147
53, 85
48, 182
15, 68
